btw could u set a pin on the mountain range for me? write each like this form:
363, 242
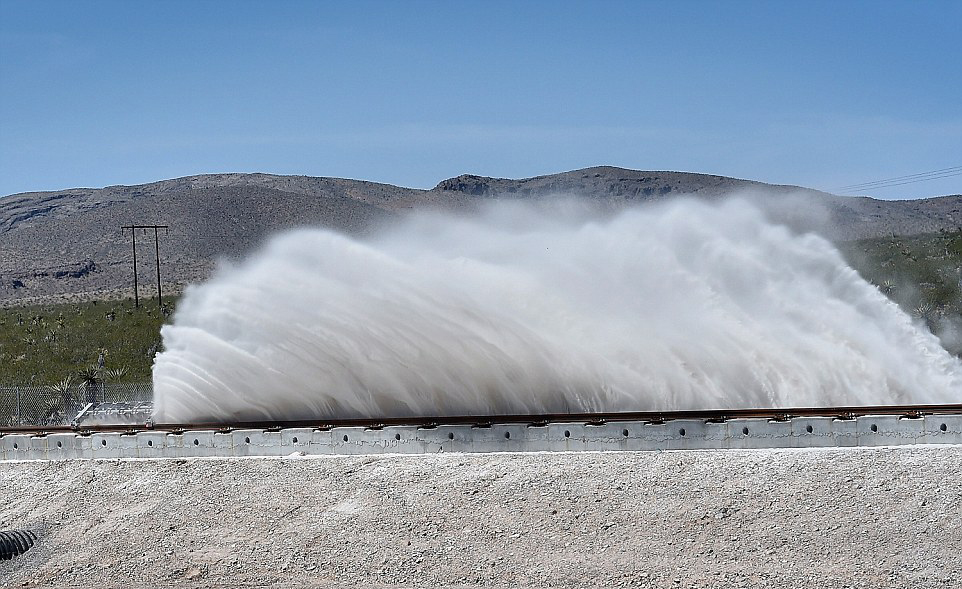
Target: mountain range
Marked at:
69, 245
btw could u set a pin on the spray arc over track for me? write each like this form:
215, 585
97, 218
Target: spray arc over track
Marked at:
535, 308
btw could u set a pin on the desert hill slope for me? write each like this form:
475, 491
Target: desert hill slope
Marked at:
69, 242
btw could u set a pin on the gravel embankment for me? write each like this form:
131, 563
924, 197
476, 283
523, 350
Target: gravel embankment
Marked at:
772, 518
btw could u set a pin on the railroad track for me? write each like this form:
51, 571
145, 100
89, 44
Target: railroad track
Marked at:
651, 417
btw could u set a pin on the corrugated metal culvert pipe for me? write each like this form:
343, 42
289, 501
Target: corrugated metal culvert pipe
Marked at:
15, 542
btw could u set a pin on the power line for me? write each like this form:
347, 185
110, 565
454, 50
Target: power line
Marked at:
900, 183
959, 173
909, 179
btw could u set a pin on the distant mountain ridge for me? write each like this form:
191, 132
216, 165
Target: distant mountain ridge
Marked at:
69, 243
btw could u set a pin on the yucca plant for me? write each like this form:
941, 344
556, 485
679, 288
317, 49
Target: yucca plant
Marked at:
60, 400
113, 374
91, 380
60, 388
924, 311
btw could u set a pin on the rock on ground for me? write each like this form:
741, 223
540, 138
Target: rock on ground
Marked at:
883, 517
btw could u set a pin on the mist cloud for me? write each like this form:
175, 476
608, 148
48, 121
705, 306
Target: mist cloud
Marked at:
533, 308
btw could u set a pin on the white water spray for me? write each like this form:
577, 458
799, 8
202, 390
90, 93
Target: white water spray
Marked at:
534, 309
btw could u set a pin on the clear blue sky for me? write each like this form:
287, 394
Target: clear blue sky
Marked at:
822, 94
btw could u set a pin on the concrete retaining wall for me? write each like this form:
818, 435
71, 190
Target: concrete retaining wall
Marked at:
688, 434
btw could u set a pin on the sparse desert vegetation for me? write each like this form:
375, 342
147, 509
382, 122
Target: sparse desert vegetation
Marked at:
45, 344
922, 273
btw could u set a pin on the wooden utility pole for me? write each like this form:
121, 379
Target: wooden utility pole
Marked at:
133, 235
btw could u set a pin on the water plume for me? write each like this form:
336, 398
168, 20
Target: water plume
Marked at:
534, 308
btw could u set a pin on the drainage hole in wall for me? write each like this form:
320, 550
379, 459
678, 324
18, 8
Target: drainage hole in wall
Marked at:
507, 435
103, 442
943, 427
624, 432
196, 442
247, 440
150, 442
60, 444
345, 438
450, 435
874, 428
397, 436
681, 432
808, 428
744, 431
15, 446
294, 440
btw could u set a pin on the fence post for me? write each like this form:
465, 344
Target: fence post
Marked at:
17, 393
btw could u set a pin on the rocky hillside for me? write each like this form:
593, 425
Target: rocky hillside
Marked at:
69, 244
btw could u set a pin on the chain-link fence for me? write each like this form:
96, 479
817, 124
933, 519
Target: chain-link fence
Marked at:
53, 405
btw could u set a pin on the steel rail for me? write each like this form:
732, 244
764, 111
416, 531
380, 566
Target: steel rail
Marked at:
709, 415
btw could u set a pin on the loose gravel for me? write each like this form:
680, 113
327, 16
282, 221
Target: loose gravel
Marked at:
869, 517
